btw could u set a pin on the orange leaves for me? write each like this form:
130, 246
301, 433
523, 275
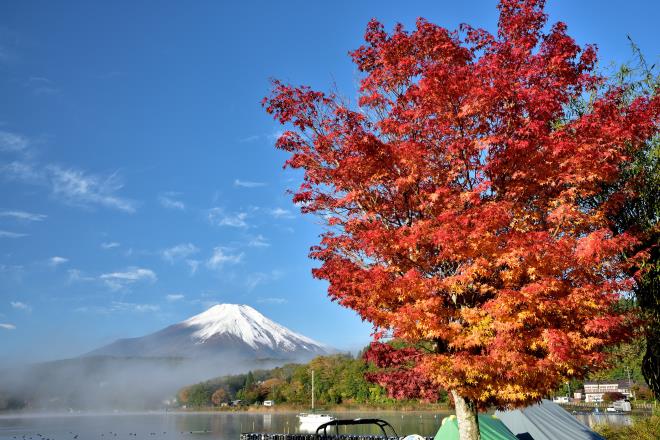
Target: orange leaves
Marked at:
466, 202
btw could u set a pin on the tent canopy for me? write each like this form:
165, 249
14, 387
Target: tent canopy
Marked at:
545, 421
491, 429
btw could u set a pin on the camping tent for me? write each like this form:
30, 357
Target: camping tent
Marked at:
545, 421
491, 429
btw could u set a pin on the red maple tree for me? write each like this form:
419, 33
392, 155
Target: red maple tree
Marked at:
459, 196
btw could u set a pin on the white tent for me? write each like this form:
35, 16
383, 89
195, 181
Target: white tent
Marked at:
546, 421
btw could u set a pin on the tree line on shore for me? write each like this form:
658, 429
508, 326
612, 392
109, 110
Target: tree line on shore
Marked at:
339, 379
342, 379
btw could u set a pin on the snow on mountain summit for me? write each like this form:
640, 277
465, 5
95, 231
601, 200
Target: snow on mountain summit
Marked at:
248, 325
230, 331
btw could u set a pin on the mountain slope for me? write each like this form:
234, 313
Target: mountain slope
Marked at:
227, 330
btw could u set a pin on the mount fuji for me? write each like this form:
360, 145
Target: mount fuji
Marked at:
140, 373
227, 330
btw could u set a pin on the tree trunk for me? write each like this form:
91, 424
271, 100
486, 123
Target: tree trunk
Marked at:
466, 413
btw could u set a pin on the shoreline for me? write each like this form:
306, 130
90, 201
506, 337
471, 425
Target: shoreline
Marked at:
285, 409
225, 410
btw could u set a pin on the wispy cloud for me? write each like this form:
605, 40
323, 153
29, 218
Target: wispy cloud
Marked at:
11, 268
22, 215
281, 213
68, 184
20, 306
258, 241
120, 280
193, 265
218, 217
119, 307
42, 86
56, 261
174, 297
256, 278
12, 142
220, 258
79, 188
7, 326
271, 137
272, 300
24, 172
10, 234
170, 200
110, 245
76, 275
252, 138
248, 184
71, 186
179, 252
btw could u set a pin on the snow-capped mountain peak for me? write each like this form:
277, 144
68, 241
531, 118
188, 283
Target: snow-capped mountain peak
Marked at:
230, 331
248, 325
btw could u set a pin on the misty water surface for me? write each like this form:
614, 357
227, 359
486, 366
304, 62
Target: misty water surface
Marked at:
200, 426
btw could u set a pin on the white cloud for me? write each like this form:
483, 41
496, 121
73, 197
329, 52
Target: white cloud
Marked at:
132, 307
270, 137
119, 280
56, 261
168, 200
220, 258
12, 142
281, 213
22, 215
174, 297
11, 268
78, 188
252, 138
179, 252
272, 300
256, 278
70, 185
120, 306
10, 234
78, 275
25, 172
258, 241
7, 326
275, 135
217, 217
248, 184
193, 265
20, 306
110, 245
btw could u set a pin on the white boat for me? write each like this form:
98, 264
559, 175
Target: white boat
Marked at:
310, 421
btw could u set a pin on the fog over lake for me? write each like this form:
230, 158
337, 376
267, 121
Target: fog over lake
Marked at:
225, 426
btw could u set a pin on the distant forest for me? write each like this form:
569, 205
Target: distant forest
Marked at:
337, 379
340, 380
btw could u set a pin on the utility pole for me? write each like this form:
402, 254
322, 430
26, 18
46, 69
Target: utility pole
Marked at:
632, 393
312, 390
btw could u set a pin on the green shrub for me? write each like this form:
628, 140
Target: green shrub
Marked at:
642, 428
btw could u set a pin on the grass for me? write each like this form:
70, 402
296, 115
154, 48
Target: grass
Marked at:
642, 428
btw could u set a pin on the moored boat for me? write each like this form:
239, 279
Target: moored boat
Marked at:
310, 421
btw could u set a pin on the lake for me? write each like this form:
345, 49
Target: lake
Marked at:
200, 426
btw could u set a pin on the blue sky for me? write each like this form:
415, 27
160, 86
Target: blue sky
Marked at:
138, 179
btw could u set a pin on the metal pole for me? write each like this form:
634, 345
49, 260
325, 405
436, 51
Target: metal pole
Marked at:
630, 383
312, 390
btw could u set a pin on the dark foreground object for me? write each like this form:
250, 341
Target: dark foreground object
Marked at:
294, 436
325, 432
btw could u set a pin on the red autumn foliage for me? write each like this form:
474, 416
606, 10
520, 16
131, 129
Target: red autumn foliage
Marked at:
461, 203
